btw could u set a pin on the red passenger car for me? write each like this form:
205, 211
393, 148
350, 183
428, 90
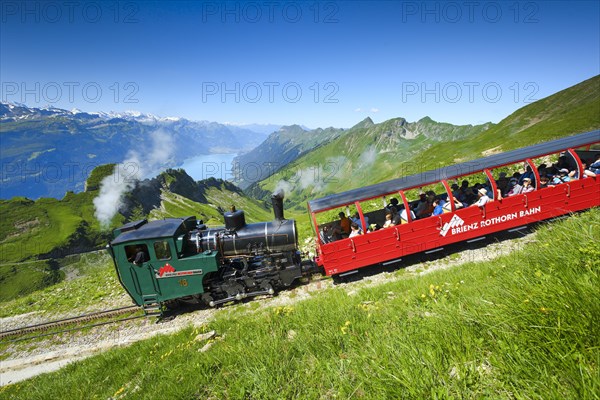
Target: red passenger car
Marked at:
432, 233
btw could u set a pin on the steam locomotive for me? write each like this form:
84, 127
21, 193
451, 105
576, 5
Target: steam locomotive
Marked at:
181, 259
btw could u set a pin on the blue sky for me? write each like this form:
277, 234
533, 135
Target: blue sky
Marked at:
313, 63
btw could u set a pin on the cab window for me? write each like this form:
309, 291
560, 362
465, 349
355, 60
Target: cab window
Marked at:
137, 252
162, 250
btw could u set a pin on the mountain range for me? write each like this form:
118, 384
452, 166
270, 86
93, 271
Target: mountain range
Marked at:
47, 151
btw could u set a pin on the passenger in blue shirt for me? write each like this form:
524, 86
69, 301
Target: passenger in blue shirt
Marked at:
356, 219
438, 208
563, 176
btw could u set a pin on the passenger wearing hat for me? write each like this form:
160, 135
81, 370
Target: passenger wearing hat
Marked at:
483, 198
527, 186
527, 174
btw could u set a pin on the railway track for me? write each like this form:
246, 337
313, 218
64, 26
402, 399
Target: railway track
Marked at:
50, 325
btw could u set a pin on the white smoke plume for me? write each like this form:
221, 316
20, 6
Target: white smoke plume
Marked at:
368, 157
138, 165
283, 185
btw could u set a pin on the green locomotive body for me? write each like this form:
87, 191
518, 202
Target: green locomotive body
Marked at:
181, 259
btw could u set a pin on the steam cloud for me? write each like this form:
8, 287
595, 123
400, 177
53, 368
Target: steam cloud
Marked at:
125, 175
368, 156
318, 176
283, 185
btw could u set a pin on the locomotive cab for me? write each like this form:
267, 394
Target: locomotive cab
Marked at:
163, 271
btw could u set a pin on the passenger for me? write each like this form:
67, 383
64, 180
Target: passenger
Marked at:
140, 256
488, 188
388, 220
356, 231
587, 173
542, 169
455, 190
438, 208
459, 195
336, 233
502, 183
544, 182
428, 209
422, 205
528, 174
514, 187
396, 220
595, 166
404, 216
552, 170
527, 186
483, 198
564, 175
562, 162
344, 223
325, 236
470, 197
393, 203
356, 218
457, 204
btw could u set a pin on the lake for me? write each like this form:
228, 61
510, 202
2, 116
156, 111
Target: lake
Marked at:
206, 166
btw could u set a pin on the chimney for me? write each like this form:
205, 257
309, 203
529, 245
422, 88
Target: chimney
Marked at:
277, 201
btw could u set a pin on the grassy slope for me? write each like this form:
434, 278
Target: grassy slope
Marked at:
174, 205
29, 229
521, 326
96, 281
336, 166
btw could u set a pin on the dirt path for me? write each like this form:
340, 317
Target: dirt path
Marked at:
26, 359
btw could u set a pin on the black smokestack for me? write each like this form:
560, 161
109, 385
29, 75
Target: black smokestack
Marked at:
277, 201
